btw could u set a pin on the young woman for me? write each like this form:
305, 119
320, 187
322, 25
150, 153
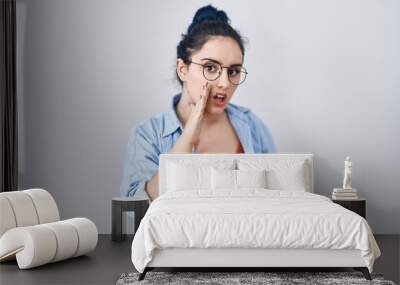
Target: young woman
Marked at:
201, 119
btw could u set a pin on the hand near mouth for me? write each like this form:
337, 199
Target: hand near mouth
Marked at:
192, 128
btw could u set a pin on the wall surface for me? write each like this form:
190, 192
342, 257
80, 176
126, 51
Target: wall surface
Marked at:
323, 75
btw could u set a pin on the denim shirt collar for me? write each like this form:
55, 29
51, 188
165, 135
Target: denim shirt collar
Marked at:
236, 114
171, 121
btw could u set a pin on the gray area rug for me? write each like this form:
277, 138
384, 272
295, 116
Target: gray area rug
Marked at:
229, 278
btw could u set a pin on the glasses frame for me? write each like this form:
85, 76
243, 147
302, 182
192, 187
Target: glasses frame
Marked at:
220, 72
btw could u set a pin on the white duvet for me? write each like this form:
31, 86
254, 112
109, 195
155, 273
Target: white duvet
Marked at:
251, 218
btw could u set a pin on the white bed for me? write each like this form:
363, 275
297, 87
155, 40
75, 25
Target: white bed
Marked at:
200, 220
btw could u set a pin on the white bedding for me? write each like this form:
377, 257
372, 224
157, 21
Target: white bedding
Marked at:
250, 218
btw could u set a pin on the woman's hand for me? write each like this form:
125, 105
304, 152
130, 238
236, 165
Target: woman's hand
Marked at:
192, 128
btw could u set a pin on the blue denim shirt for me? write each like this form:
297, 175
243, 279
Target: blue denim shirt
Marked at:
158, 134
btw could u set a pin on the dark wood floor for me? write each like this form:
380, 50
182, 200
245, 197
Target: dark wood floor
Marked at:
110, 260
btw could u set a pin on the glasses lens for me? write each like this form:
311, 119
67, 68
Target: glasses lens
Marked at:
211, 71
237, 75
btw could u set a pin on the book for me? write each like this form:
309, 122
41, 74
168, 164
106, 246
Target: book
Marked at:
341, 190
344, 197
345, 194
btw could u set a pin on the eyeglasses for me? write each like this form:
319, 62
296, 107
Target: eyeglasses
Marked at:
212, 71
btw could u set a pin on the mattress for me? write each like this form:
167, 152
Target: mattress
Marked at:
250, 219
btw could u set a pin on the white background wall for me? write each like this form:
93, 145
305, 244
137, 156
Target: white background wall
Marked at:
323, 75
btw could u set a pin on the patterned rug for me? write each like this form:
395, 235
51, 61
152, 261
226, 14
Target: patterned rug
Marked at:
243, 278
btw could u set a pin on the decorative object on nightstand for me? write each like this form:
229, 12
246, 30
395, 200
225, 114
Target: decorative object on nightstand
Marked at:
346, 192
347, 174
358, 205
119, 206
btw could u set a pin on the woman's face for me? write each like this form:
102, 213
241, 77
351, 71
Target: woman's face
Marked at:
218, 49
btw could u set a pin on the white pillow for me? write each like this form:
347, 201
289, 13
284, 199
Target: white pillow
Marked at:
251, 178
290, 178
281, 174
236, 179
223, 179
188, 175
181, 177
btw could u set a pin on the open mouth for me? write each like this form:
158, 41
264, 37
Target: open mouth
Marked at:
219, 97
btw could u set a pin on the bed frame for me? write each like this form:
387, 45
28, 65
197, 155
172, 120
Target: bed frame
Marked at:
261, 259
248, 259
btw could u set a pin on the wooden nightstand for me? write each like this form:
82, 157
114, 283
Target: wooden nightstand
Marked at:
358, 206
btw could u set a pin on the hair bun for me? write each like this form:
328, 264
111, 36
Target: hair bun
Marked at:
208, 13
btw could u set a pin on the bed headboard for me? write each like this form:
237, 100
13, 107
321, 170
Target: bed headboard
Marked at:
211, 158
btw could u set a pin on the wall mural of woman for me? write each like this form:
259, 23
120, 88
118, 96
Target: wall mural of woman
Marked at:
201, 119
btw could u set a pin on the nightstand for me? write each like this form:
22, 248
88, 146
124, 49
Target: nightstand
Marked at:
120, 205
358, 206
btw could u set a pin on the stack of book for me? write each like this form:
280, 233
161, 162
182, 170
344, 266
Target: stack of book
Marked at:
344, 194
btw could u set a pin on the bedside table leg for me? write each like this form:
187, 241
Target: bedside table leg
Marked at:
116, 228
